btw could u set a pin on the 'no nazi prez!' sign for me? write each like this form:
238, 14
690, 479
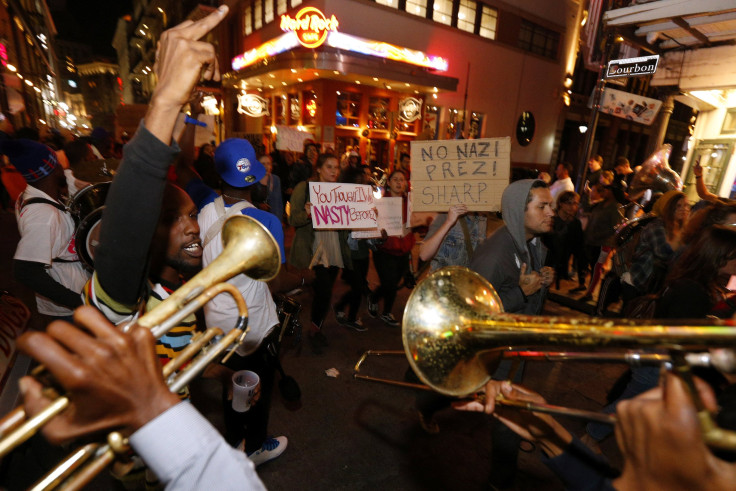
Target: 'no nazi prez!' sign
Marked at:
451, 172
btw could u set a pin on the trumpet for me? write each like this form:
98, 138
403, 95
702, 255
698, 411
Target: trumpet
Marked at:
455, 334
250, 249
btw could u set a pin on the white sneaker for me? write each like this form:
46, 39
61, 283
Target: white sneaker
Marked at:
271, 448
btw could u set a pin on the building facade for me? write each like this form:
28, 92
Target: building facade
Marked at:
389, 72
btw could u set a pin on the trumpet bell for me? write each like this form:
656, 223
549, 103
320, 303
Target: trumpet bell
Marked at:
438, 318
252, 237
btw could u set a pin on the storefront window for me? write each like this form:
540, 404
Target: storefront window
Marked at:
378, 113
268, 11
417, 7
389, 3
488, 22
430, 124
348, 109
258, 14
466, 16
454, 124
476, 125
309, 113
442, 12
248, 20
281, 109
281, 7
295, 109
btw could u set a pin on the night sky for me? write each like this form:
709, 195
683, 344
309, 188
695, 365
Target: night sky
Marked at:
90, 22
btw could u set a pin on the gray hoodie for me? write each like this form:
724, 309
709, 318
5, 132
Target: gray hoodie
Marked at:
499, 258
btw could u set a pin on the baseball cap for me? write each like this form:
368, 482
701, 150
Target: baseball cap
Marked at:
236, 163
33, 160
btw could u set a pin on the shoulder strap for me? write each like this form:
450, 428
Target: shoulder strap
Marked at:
222, 215
45, 201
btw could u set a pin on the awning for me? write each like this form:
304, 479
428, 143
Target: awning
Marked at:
670, 24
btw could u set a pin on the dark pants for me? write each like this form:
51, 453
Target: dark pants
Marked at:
356, 278
253, 424
390, 270
324, 280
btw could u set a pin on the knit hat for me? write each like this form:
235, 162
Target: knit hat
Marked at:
33, 160
236, 163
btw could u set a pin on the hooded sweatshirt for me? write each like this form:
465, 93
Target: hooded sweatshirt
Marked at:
499, 258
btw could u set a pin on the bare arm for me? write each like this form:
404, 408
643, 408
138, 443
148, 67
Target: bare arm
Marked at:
700, 187
432, 244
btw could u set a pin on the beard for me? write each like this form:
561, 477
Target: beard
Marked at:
186, 268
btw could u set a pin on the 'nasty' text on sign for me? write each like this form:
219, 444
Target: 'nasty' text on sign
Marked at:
337, 205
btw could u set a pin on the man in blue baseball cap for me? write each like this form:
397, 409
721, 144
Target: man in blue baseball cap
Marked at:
238, 167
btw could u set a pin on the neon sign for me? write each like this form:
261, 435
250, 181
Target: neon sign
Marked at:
310, 25
344, 42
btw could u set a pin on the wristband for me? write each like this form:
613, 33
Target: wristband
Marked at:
190, 120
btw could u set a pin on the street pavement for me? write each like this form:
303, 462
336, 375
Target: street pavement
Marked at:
351, 434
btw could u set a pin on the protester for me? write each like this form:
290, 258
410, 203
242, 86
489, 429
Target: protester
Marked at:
563, 183
565, 240
323, 251
391, 258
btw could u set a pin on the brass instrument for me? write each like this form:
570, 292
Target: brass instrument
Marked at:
455, 334
250, 249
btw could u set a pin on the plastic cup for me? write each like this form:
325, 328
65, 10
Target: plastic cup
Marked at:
246, 385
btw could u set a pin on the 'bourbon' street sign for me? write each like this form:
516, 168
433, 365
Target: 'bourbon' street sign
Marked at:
631, 67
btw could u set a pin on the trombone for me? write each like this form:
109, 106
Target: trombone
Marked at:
250, 249
455, 334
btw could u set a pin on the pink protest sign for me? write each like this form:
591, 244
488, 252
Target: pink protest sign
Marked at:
339, 205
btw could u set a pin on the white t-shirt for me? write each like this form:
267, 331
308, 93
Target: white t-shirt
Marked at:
221, 311
46, 234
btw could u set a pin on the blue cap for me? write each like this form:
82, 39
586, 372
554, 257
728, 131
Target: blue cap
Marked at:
33, 160
236, 163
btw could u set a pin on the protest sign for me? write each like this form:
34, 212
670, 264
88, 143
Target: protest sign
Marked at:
291, 139
338, 205
451, 172
389, 218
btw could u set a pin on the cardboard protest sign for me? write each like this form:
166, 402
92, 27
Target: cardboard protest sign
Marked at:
291, 139
338, 205
451, 172
389, 219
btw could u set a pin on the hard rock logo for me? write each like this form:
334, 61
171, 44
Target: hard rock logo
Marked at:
311, 26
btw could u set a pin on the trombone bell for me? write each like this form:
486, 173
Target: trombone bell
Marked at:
455, 332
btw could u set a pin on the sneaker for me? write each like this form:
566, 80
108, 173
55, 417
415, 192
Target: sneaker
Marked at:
356, 325
372, 307
341, 316
390, 320
272, 448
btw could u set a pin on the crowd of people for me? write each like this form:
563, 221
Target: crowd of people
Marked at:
163, 222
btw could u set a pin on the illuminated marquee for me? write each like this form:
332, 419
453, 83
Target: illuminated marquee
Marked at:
310, 25
344, 42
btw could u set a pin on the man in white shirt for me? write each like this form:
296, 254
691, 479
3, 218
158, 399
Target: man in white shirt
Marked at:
563, 182
46, 258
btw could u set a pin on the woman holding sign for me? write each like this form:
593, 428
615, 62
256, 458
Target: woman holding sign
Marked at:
392, 257
324, 251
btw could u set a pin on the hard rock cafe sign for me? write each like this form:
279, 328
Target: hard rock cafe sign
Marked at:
410, 109
252, 105
310, 25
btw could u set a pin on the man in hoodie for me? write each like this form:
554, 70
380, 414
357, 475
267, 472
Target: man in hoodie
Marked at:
512, 259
